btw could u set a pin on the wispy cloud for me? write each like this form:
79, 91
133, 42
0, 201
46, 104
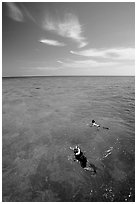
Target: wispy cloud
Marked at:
51, 42
86, 64
42, 68
59, 61
27, 14
19, 14
14, 12
68, 27
114, 53
46, 68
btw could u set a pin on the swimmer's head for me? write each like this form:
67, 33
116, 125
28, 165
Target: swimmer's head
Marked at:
93, 121
76, 150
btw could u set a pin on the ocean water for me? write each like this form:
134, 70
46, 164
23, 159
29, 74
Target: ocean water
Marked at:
43, 116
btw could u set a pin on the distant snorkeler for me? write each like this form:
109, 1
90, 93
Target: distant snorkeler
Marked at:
93, 123
81, 158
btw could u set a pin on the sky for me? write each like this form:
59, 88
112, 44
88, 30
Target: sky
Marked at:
68, 38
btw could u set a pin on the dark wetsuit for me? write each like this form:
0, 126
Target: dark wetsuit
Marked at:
82, 159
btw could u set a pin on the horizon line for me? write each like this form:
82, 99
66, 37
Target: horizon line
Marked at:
68, 76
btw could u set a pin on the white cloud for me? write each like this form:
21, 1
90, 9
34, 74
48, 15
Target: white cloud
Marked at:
59, 61
46, 68
113, 53
52, 42
27, 14
69, 27
82, 44
87, 64
17, 14
14, 12
40, 68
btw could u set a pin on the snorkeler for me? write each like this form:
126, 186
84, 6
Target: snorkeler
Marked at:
80, 157
93, 123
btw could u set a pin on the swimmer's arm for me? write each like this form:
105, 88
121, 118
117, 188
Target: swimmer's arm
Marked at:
71, 148
89, 124
78, 151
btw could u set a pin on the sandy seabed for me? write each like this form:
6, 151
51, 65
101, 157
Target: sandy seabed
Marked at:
43, 117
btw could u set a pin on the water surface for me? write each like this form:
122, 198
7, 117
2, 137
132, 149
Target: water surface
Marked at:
44, 116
